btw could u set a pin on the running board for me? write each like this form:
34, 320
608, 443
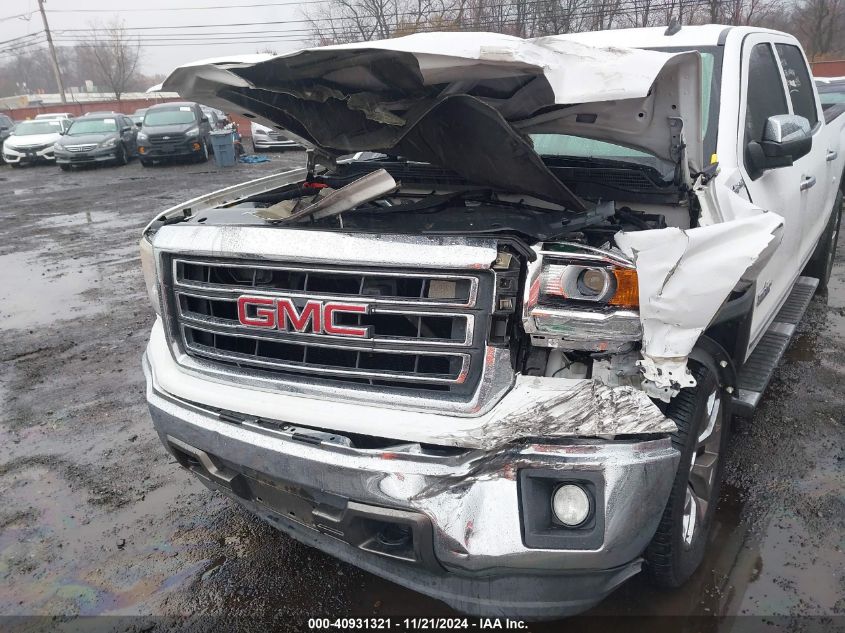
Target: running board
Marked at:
755, 374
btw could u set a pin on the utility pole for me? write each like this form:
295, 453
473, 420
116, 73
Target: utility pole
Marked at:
56, 71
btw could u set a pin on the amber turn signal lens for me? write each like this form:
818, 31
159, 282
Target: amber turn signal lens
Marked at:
627, 288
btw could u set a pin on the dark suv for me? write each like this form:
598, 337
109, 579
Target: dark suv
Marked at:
174, 130
103, 137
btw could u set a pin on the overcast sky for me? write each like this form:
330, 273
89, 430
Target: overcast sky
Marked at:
165, 48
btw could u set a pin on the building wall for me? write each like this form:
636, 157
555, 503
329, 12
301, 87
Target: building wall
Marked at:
833, 68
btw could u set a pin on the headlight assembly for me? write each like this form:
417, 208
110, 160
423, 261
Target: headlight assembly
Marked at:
596, 284
148, 267
581, 298
142, 137
109, 142
194, 131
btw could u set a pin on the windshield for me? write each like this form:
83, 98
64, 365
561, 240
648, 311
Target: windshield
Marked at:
170, 117
92, 126
580, 147
30, 128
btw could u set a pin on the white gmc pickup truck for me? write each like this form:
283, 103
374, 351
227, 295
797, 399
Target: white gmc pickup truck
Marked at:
494, 356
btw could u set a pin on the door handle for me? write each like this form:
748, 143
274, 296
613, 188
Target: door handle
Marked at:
807, 182
832, 154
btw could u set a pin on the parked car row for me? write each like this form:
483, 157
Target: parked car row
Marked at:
159, 133
156, 134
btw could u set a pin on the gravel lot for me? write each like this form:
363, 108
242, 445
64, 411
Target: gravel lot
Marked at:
98, 519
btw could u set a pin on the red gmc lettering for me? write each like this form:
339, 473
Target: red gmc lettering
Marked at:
299, 321
315, 317
328, 319
264, 317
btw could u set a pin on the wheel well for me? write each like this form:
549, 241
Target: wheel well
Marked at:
731, 327
714, 356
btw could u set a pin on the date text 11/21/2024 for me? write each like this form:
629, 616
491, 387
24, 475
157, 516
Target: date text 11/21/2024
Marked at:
417, 624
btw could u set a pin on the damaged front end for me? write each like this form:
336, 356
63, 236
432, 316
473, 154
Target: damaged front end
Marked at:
601, 287
407, 357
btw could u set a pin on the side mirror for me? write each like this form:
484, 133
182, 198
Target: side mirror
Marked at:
125, 129
786, 138
204, 119
139, 123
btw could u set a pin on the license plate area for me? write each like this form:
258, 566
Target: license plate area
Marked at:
287, 501
392, 533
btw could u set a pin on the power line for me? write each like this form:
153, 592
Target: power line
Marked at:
433, 12
21, 37
21, 48
25, 16
186, 35
194, 8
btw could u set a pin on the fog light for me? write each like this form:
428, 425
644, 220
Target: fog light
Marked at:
196, 147
571, 505
142, 150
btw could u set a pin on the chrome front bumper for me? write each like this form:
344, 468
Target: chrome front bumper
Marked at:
462, 507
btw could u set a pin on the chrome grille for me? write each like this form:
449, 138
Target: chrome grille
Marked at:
80, 148
426, 330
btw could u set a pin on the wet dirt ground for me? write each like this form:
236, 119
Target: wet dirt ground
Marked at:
96, 518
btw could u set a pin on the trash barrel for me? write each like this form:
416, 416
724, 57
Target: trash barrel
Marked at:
223, 145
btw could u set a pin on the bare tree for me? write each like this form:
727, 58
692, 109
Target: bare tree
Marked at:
113, 56
820, 25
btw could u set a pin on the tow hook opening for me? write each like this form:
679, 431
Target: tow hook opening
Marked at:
202, 464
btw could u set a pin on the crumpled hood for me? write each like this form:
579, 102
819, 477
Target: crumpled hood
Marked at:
465, 101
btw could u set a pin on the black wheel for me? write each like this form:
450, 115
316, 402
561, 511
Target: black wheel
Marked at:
702, 414
64, 167
146, 163
14, 165
120, 157
821, 263
202, 157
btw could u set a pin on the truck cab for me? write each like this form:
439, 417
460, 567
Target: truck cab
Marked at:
495, 356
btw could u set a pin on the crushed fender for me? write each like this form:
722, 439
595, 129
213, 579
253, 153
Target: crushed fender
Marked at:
684, 277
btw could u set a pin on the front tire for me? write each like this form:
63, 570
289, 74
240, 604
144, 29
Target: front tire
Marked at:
202, 157
820, 265
120, 157
702, 415
64, 167
146, 163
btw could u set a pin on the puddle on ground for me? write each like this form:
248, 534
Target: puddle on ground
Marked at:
34, 293
73, 563
73, 219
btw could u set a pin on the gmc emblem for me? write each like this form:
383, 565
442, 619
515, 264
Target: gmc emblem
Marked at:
316, 317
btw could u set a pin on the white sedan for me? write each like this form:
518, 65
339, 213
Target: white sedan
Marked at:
32, 141
264, 137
